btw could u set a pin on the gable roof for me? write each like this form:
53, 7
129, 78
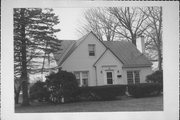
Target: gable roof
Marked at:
68, 47
65, 46
125, 51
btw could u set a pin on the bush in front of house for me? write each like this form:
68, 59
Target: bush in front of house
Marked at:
144, 89
155, 77
62, 86
38, 91
107, 92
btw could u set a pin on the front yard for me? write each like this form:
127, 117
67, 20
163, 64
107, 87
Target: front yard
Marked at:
123, 104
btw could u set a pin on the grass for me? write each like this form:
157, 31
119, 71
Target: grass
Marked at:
123, 104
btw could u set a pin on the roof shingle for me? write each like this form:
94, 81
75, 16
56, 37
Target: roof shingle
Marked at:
125, 51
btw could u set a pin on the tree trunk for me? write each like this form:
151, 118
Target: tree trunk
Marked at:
24, 61
17, 95
159, 59
134, 40
17, 98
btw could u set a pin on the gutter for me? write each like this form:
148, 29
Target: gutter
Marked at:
135, 66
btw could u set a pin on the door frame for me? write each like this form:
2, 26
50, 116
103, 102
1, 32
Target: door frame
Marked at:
112, 72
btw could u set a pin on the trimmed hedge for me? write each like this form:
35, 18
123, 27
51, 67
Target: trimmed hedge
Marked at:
155, 77
145, 89
107, 92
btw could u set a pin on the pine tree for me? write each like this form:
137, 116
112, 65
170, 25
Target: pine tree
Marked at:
34, 39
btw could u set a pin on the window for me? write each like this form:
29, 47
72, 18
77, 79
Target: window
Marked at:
136, 77
91, 48
77, 74
130, 77
133, 77
82, 78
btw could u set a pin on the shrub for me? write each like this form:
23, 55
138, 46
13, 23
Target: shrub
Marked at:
108, 92
156, 77
144, 89
62, 85
38, 91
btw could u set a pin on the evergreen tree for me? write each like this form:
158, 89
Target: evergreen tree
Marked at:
34, 40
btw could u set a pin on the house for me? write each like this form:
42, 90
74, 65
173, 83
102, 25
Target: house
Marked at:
97, 63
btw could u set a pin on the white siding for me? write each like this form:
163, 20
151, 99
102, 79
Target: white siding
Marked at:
109, 61
80, 60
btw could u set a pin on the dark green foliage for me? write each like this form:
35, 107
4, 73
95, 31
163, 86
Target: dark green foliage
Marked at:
62, 85
144, 89
33, 41
40, 41
156, 77
108, 92
38, 91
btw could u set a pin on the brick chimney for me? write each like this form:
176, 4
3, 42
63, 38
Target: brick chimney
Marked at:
142, 44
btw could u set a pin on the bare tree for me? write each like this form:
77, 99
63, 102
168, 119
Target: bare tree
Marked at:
131, 22
100, 22
154, 32
115, 23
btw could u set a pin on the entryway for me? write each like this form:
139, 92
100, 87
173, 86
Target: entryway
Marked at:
109, 77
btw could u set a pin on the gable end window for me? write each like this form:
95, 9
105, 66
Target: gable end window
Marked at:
91, 49
133, 77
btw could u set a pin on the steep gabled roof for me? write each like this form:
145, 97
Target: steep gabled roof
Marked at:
68, 47
125, 51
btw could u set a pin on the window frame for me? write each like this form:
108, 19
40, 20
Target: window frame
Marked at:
81, 78
78, 80
109, 78
134, 78
92, 52
84, 78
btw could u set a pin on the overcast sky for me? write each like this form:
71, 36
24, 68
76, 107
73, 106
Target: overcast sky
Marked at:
70, 20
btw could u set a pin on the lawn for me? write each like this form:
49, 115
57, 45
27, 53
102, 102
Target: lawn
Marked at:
123, 104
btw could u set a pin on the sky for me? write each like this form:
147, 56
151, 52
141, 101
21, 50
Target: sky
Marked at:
70, 20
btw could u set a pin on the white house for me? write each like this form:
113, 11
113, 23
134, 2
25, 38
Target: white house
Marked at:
97, 63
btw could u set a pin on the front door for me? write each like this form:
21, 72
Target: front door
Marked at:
109, 77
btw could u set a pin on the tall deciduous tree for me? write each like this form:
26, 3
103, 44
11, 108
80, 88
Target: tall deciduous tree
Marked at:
154, 32
33, 36
131, 22
115, 23
100, 22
